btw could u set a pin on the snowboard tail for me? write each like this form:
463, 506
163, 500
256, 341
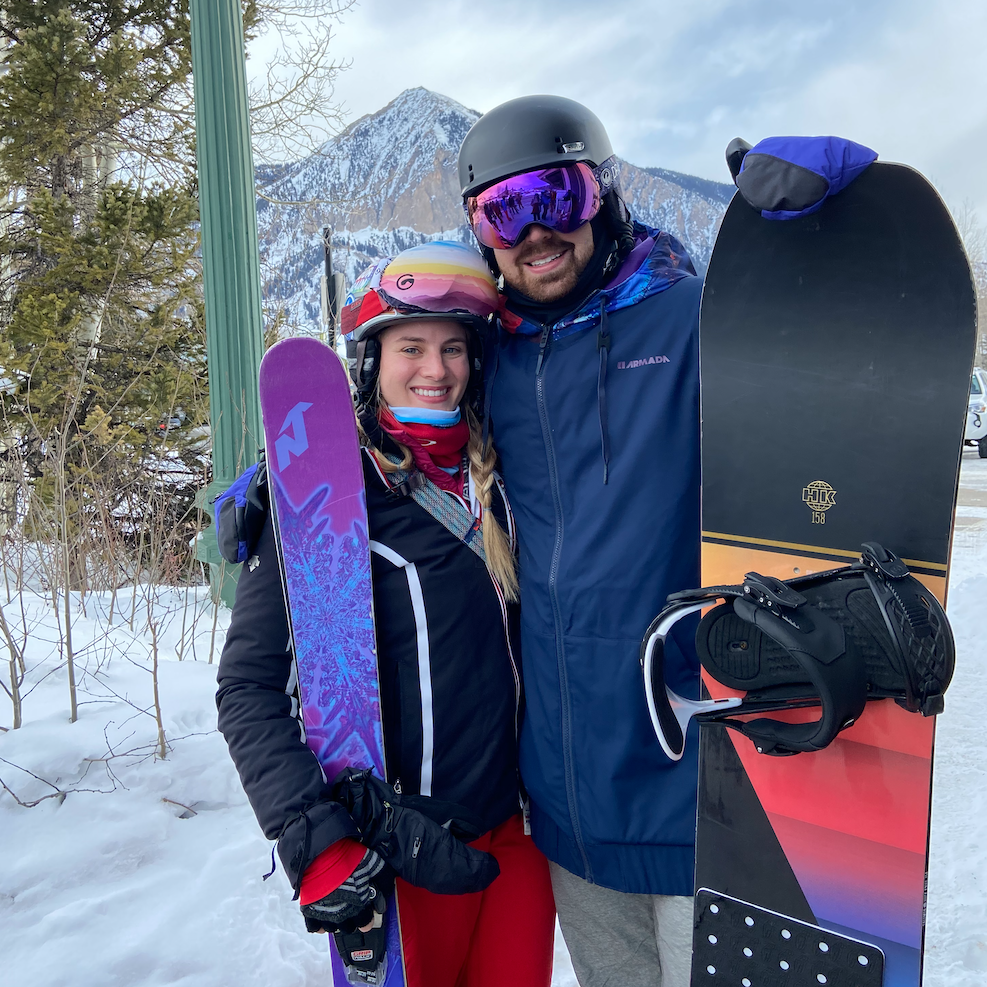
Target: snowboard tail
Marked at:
835, 353
319, 505
778, 948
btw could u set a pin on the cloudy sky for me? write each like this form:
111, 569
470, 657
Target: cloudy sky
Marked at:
674, 82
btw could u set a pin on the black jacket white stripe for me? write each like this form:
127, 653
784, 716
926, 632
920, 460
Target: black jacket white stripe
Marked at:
449, 681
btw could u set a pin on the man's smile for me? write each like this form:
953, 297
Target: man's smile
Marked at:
544, 260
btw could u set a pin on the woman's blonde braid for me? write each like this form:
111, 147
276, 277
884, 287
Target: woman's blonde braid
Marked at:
496, 547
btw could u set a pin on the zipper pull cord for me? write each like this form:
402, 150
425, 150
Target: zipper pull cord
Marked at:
603, 346
546, 334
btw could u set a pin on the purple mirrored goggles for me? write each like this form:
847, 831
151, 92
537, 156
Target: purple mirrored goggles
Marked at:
561, 198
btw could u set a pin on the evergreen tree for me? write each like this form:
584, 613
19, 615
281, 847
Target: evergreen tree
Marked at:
101, 339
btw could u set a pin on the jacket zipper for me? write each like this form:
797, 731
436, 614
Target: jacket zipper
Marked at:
570, 780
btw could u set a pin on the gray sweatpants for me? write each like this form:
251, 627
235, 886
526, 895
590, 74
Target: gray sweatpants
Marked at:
623, 940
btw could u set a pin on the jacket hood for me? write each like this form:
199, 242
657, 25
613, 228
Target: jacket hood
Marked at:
657, 261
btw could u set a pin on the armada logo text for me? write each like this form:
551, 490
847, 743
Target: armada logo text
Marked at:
646, 362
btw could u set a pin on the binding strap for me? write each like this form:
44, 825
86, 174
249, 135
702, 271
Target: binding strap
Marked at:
451, 512
816, 642
819, 644
923, 646
826, 666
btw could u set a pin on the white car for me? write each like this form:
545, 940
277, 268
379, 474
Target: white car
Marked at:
976, 418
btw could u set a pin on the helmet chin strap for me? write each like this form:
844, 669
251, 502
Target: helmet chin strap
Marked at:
362, 380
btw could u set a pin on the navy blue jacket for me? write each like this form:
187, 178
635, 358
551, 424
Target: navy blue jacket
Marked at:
597, 560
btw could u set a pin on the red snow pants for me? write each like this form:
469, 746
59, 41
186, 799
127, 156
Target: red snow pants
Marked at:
501, 937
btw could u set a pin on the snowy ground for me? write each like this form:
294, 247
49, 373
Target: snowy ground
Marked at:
956, 933
149, 870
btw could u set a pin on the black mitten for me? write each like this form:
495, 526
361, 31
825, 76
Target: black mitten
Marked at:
421, 848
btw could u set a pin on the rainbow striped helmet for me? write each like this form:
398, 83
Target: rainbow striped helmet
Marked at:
435, 280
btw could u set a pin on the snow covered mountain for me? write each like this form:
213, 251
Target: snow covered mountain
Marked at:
389, 181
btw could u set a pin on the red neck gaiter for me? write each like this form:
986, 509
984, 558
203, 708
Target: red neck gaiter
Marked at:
430, 445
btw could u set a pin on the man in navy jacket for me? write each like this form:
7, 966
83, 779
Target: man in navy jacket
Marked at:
594, 399
593, 394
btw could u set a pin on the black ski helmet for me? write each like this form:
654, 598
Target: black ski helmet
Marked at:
530, 132
540, 132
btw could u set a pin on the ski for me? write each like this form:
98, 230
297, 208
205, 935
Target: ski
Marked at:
319, 504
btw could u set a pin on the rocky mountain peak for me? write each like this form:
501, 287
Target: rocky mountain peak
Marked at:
390, 181
395, 167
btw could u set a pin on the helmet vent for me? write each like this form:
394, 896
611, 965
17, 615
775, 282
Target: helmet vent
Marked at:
471, 172
558, 141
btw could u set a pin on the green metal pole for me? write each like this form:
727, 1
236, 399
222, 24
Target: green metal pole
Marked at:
230, 258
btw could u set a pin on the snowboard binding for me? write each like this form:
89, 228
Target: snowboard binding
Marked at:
833, 639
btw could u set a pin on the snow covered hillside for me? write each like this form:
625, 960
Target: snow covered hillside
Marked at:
390, 181
121, 868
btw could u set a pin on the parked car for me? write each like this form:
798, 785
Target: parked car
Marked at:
976, 417
176, 420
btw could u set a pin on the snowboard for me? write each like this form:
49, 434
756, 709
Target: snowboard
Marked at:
320, 511
835, 352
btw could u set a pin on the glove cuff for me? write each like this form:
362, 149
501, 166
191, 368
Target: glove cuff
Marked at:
329, 869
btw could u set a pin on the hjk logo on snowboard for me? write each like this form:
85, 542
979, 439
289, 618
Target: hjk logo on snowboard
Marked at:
820, 497
297, 442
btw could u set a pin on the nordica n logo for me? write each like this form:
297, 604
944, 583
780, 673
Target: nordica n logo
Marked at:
646, 362
297, 442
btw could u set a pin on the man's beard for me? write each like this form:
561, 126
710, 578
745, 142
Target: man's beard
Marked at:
555, 285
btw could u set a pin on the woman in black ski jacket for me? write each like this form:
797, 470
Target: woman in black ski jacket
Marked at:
444, 586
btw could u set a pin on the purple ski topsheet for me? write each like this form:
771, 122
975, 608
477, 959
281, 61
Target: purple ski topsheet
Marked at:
313, 460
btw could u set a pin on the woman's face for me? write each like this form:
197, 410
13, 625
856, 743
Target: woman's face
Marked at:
424, 364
